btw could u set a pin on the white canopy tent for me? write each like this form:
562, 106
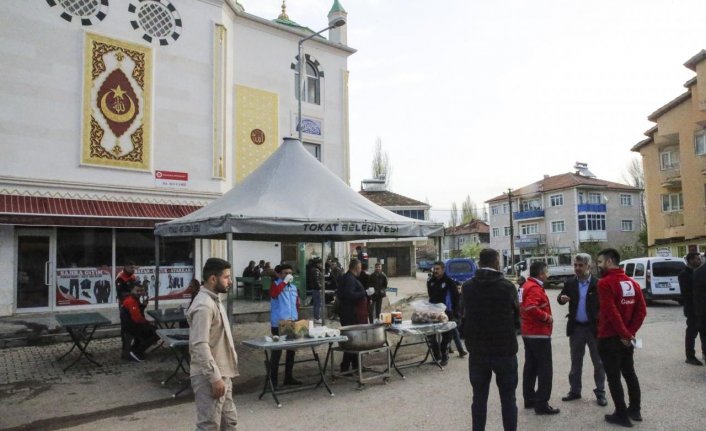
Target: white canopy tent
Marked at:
292, 196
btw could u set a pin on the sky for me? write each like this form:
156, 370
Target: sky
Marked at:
472, 97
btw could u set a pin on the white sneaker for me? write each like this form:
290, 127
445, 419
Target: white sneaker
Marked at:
318, 321
134, 357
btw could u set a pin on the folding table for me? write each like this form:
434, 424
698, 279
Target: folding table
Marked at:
177, 340
81, 327
423, 330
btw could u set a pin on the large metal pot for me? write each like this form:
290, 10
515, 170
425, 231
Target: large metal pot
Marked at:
363, 337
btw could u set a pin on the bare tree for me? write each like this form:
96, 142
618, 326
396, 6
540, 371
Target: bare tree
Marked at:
381, 163
635, 176
454, 215
469, 210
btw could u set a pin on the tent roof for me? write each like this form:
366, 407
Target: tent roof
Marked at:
292, 196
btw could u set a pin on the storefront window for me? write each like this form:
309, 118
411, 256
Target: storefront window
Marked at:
84, 266
175, 260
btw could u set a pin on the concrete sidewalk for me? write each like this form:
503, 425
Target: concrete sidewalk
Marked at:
37, 394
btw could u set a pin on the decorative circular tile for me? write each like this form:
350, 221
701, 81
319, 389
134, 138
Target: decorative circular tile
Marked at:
89, 12
157, 19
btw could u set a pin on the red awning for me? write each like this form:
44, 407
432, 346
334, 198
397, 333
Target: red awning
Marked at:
34, 210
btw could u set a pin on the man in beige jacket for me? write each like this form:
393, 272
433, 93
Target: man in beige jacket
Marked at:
213, 359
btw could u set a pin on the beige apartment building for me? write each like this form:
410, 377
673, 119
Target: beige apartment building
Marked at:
674, 162
562, 214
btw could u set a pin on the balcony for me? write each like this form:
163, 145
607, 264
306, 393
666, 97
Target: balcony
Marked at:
591, 208
526, 215
592, 235
673, 219
670, 179
530, 241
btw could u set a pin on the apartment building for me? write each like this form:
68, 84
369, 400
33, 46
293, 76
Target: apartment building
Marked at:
558, 214
674, 161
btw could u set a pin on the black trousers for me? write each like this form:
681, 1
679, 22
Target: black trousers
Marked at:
440, 350
480, 372
694, 329
144, 335
538, 369
617, 359
274, 361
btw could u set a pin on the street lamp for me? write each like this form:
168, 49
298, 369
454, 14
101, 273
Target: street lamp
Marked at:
337, 23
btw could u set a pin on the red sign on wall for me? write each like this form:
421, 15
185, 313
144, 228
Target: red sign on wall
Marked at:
171, 179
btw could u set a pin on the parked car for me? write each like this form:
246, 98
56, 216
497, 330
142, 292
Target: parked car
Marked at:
657, 276
461, 269
425, 265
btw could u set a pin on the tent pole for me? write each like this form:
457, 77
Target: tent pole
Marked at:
229, 301
322, 311
156, 272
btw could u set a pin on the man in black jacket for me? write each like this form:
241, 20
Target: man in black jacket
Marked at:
492, 314
353, 308
581, 292
442, 290
693, 261
699, 292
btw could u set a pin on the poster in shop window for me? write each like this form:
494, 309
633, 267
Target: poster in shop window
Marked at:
173, 281
84, 286
90, 286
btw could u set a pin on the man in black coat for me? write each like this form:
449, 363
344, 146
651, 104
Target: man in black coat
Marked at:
353, 307
442, 290
581, 292
693, 261
492, 314
699, 292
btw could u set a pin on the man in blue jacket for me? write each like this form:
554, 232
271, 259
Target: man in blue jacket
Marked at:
284, 301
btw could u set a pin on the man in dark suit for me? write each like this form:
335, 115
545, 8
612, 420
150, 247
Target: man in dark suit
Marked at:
581, 293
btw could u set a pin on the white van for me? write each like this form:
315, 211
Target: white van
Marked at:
657, 276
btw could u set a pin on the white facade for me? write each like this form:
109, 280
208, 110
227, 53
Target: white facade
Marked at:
41, 111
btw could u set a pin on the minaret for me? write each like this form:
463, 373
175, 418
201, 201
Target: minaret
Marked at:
338, 34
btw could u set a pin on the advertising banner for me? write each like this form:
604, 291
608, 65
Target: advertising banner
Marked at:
84, 286
173, 281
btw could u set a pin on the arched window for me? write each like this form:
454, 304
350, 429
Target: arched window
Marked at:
311, 82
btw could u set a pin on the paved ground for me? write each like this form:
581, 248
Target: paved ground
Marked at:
34, 386
129, 396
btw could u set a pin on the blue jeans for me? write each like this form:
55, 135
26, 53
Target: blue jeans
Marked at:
316, 302
480, 371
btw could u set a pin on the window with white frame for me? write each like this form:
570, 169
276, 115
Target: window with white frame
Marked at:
594, 197
529, 229
558, 226
626, 225
494, 210
496, 232
556, 200
507, 230
314, 149
625, 200
311, 83
531, 204
669, 159
700, 143
581, 198
506, 208
591, 222
672, 202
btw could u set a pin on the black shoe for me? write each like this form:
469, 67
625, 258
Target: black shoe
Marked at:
444, 362
529, 404
292, 382
571, 396
635, 414
451, 350
600, 398
462, 353
135, 357
693, 361
64, 290
623, 421
546, 410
